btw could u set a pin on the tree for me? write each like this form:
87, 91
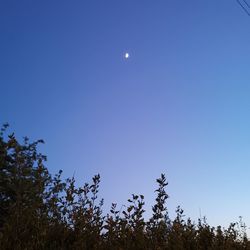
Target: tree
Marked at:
23, 180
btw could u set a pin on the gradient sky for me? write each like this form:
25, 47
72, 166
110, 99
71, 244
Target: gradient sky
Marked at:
179, 105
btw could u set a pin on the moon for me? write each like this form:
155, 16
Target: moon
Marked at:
126, 55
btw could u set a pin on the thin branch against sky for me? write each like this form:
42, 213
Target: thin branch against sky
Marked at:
243, 7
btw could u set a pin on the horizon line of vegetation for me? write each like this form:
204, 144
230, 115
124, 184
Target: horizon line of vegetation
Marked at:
39, 210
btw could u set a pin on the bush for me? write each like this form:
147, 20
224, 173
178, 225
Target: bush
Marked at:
41, 211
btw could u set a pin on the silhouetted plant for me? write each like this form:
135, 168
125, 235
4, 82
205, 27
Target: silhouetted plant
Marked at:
159, 223
41, 211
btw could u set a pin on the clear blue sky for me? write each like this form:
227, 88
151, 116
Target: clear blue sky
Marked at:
179, 105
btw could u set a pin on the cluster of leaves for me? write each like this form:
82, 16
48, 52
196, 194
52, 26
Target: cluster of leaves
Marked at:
41, 211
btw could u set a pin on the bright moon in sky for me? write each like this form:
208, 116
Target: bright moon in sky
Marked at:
126, 55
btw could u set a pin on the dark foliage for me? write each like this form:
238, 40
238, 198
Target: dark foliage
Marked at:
41, 211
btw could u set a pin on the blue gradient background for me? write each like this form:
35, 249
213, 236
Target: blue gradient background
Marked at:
180, 105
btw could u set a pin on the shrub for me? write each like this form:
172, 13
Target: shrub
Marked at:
41, 211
